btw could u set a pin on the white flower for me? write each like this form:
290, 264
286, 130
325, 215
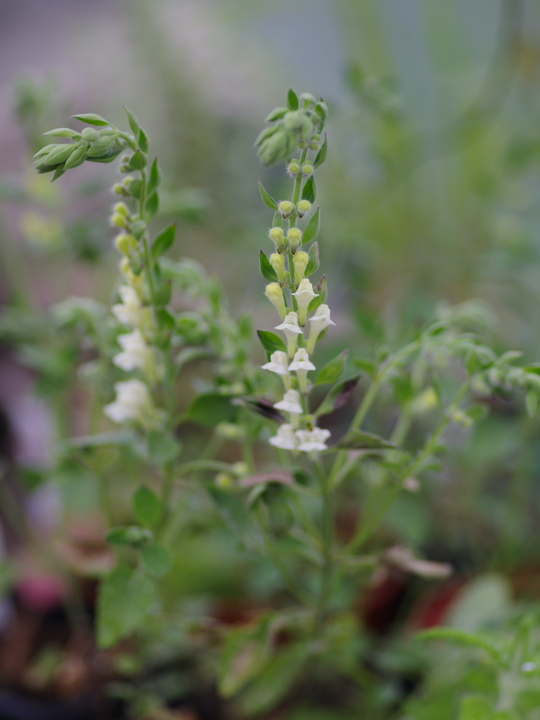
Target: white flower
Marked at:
129, 312
304, 295
312, 440
285, 438
319, 322
290, 402
301, 361
136, 355
279, 363
133, 404
292, 330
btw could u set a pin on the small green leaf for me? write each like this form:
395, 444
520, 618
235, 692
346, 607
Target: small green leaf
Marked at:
266, 198
321, 290
146, 505
266, 269
92, 119
337, 396
156, 559
77, 157
124, 599
321, 155
309, 191
276, 114
138, 160
333, 370
154, 178
60, 154
365, 365
58, 172
45, 150
101, 146
271, 342
464, 638
133, 122
131, 536
531, 403
313, 262
136, 189
142, 141
162, 448
292, 100
152, 204
211, 409
163, 241
64, 132
312, 228
359, 440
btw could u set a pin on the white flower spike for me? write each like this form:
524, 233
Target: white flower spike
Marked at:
133, 403
285, 438
129, 312
279, 363
136, 355
291, 329
304, 295
290, 403
301, 365
312, 440
319, 322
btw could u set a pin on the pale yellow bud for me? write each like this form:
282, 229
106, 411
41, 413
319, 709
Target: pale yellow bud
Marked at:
118, 220
304, 206
276, 234
118, 188
277, 261
240, 468
121, 208
294, 167
307, 169
124, 243
294, 236
224, 481
286, 208
300, 261
275, 294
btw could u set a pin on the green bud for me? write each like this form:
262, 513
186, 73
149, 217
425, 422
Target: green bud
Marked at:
224, 481
313, 145
275, 294
118, 220
124, 243
286, 208
294, 236
276, 234
118, 189
121, 208
277, 261
307, 169
127, 180
294, 167
138, 228
89, 134
278, 146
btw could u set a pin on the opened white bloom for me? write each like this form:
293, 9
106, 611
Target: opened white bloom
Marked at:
291, 329
304, 295
301, 365
133, 404
312, 440
129, 312
136, 355
279, 363
285, 438
290, 403
319, 322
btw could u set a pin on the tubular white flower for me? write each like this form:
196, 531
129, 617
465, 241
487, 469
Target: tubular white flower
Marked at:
319, 322
291, 329
301, 365
290, 403
133, 403
304, 295
136, 355
285, 438
279, 363
312, 440
129, 312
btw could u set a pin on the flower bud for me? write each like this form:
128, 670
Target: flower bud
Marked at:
137, 228
300, 262
277, 261
124, 243
307, 169
127, 181
304, 206
118, 220
276, 234
224, 481
294, 236
275, 294
118, 189
313, 145
121, 208
90, 135
286, 208
240, 468
293, 167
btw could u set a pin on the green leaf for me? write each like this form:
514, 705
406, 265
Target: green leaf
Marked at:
101, 146
271, 342
309, 191
266, 198
136, 189
476, 708
321, 290
77, 157
131, 536
463, 638
142, 141
154, 177
156, 559
152, 204
211, 409
117, 437
64, 132
312, 228
313, 262
133, 122
124, 599
276, 114
162, 448
365, 365
92, 119
359, 440
321, 155
146, 505
58, 172
266, 269
531, 403
138, 160
292, 100
337, 396
163, 241
333, 370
